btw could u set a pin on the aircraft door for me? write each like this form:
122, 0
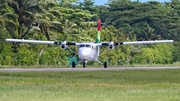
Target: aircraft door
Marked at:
95, 52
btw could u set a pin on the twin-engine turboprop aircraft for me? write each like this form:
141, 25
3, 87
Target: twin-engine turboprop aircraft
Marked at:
89, 51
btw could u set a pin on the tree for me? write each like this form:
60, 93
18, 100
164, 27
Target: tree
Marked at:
28, 12
88, 5
148, 34
176, 50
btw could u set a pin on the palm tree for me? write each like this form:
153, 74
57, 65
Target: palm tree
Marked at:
8, 21
68, 27
32, 16
148, 34
7, 18
25, 10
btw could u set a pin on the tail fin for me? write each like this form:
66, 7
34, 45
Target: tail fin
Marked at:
99, 29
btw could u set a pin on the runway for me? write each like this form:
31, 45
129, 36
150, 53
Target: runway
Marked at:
82, 69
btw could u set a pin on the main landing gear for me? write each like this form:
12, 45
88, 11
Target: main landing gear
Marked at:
73, 64
105, 64
84, 64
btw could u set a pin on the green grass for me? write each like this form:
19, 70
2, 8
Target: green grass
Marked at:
137, 85
175, 64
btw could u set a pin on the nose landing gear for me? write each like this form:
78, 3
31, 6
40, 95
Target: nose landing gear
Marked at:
84, 64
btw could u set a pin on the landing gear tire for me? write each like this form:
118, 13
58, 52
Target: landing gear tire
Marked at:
73, 64
84, 64
105, 64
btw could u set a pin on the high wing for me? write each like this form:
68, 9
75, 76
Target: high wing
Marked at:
30, 41
100, 44
138, 42
40, 41
63, 44
112, 44
49, 42
146, 42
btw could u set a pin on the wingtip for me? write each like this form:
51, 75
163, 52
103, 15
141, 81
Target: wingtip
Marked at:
8, 39
170, 40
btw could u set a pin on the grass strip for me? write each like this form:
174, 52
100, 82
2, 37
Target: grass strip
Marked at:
136, 85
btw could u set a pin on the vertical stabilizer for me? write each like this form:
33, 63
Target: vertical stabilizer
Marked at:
99, 31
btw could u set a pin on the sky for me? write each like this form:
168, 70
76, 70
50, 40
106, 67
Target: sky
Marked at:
102, 2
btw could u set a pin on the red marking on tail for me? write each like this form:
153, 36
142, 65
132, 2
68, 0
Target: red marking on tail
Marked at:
99, 25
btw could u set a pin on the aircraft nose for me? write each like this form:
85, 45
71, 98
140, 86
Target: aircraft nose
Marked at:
84, 54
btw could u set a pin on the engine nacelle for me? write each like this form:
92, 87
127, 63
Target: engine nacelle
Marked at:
63, 45
111, 45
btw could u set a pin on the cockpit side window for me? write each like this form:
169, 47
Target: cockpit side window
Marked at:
87, 45
82, 45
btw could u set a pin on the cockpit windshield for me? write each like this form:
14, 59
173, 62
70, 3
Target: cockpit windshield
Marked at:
85, 45
82, 45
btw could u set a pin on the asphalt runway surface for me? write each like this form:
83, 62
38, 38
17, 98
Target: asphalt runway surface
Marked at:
82, 69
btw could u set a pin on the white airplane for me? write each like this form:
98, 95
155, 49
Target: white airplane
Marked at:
89, 51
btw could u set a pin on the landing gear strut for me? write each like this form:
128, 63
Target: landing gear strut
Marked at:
84, 64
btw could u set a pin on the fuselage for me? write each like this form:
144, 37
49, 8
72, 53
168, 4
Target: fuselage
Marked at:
88, 52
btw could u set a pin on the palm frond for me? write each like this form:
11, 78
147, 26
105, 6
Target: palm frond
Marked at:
44, 22
51, 16
34, 29
56, 23
55, 12
10, 16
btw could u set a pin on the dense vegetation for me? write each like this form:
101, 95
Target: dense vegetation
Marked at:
71, 20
